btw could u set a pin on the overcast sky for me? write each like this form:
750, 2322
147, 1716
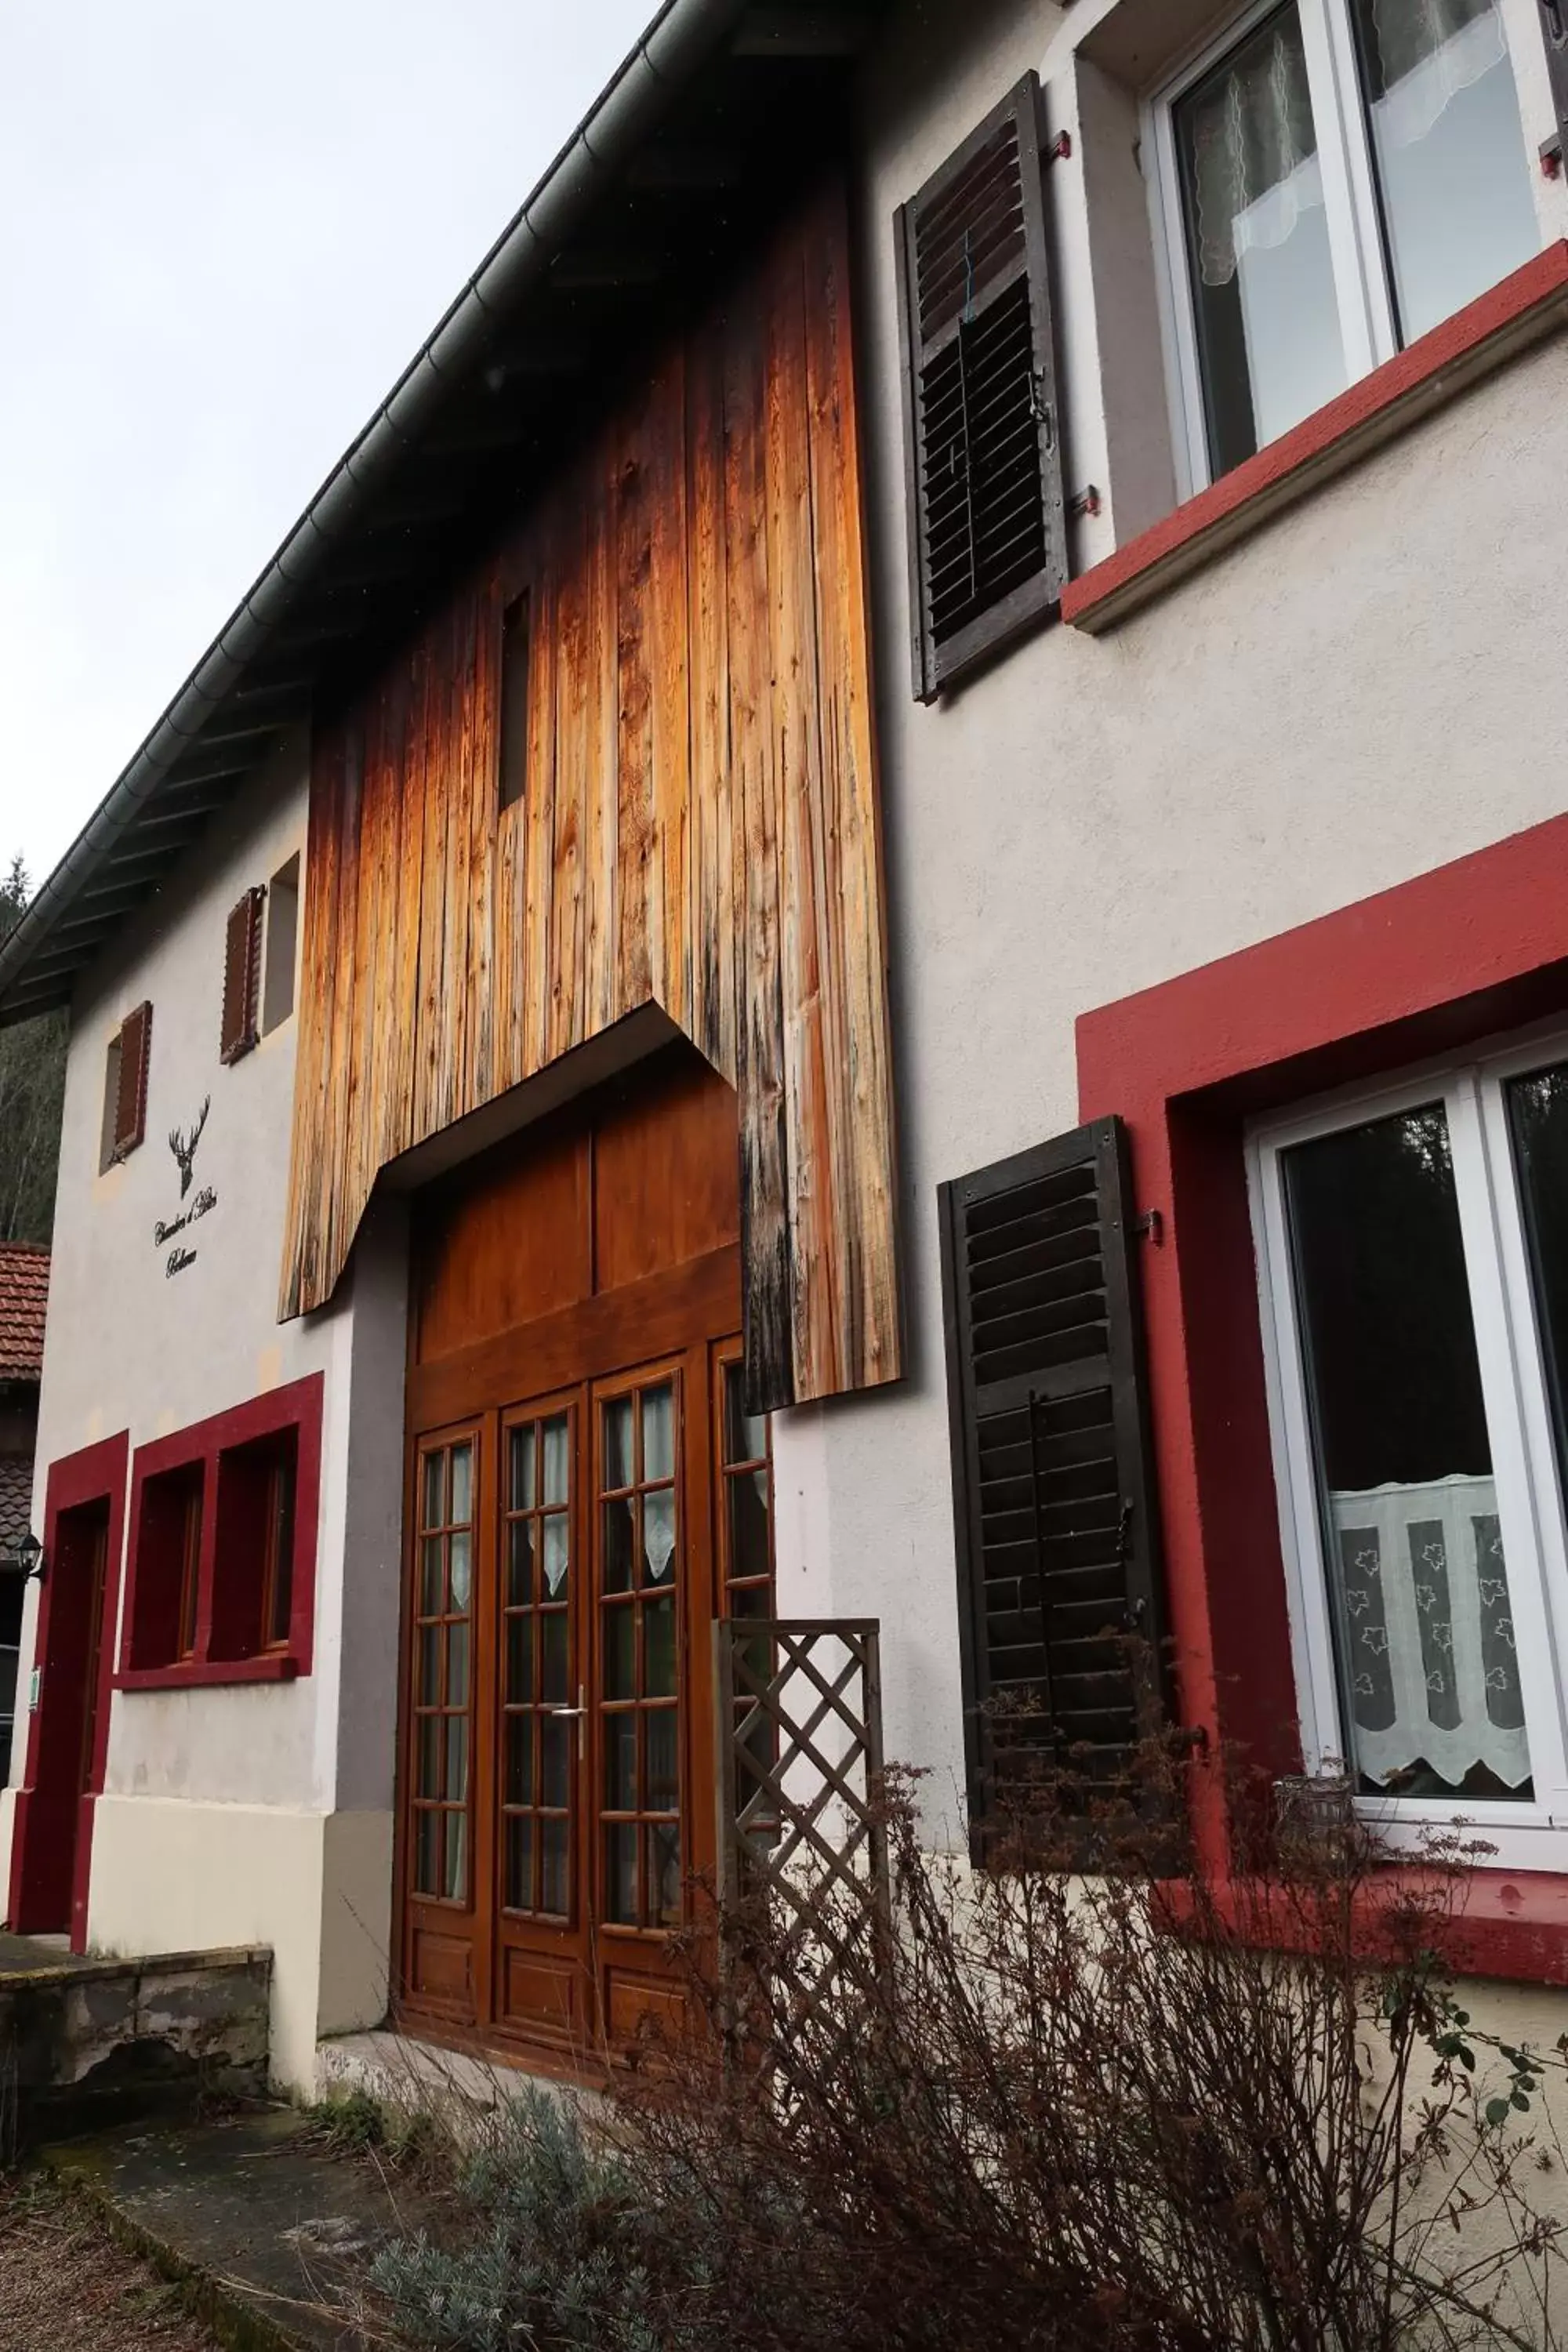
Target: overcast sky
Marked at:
223, 232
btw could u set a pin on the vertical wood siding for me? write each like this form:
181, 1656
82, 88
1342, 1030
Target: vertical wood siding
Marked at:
699, 826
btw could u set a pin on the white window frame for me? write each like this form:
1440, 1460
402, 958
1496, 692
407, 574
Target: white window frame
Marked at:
1531, 1508
1362, 280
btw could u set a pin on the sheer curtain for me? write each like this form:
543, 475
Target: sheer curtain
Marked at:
1431, 1657
1428, 51
1255, 153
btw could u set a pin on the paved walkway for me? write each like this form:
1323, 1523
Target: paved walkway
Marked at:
255, 2212
66, 2286
20, 1955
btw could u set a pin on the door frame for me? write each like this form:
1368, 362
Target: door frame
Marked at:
58, 1795
557, 1946
472, 1428
689, 1312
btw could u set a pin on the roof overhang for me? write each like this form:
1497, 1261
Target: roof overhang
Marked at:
722, 107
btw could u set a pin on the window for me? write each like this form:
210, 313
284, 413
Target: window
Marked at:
1336, 177
253, 1569
513, 731
443, 1639
639, 1456
282, 936
168, 1539
223, 1545
125, 1070
541, 1743
1415, 1257
241, 976
986, 521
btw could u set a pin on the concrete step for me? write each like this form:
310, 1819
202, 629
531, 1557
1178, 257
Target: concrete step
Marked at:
84, 2040
252, 2213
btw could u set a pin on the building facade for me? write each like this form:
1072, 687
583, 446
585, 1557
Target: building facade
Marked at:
867, 924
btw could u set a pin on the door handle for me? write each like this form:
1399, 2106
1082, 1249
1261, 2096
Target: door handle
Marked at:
579, 1711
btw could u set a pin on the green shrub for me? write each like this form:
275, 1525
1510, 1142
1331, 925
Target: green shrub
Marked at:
566, 2250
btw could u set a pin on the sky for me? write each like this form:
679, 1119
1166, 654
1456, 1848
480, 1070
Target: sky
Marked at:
223, 233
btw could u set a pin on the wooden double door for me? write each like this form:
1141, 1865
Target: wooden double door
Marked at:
600, 1496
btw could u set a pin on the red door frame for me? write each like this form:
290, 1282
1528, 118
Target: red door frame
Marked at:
54, 1807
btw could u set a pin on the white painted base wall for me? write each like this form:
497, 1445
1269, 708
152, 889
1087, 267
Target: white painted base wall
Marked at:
172, 1876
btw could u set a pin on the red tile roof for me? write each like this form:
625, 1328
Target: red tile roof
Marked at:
24, 1292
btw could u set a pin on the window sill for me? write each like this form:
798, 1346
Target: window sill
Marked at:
1508, 1924
200, 1673
1523, 308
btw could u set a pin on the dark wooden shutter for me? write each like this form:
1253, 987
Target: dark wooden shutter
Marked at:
241, 975
1053, 1491
130, 1094
988, 534
1554, 30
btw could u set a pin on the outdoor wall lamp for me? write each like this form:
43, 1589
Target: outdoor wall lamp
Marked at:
29, 1557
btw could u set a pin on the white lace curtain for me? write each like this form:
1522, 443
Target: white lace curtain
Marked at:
1431, 1657
1430, 50
1254, 142
1254, 148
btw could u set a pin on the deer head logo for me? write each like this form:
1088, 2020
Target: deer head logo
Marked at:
184, 1147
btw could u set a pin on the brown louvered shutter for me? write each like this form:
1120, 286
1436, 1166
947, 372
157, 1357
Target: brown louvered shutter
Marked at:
1053, 1491
130, 1094
241, 975
988, 534
1555, 29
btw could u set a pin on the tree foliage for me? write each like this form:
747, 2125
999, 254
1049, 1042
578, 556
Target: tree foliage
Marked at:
32, 1095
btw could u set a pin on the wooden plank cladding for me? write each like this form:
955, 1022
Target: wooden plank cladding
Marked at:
698, 827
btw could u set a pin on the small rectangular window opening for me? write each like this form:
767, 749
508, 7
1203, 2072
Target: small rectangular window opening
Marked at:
282, 936
513, 761
168, 1551
278, 1552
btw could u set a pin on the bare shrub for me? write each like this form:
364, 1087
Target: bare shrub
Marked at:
1082, 2100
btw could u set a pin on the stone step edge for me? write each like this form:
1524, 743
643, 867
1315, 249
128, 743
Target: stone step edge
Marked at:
237, 2314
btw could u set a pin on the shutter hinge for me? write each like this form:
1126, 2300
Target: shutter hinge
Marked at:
1040, 407
1087, 501
1059, 149
1552, 157
1151, 1227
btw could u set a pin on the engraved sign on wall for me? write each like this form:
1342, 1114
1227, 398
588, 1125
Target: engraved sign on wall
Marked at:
184, 1147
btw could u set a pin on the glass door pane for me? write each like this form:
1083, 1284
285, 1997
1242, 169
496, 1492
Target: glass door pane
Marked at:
542, 1699
640, 1534
746, 1567
1263, 302
442, 1672
1428, 1667
1448, 153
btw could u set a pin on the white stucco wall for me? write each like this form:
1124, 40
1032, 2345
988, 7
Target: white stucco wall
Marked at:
1369, 687
253, 1813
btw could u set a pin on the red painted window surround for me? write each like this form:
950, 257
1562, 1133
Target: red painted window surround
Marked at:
1469, 951
56, 1783
1522, 307
1508, 1924
292, 1413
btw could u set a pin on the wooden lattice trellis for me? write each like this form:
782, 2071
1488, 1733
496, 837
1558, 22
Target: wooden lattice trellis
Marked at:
802, 1847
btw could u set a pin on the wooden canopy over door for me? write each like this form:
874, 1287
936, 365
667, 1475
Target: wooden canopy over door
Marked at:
587, 1492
